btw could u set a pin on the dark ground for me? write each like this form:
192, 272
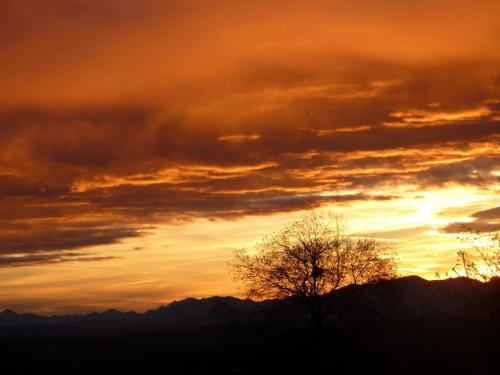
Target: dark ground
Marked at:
270, 338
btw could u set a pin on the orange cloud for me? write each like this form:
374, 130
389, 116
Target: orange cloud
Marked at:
118, 117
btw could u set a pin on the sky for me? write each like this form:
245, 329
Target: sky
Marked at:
142, 141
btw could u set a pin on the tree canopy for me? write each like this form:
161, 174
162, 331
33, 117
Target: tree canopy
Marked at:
309, 257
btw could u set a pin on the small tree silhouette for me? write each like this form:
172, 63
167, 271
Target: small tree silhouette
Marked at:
482, 260
309, 258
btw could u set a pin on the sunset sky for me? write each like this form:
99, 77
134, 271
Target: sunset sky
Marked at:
142, 141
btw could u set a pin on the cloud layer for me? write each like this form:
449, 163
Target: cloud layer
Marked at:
116, 116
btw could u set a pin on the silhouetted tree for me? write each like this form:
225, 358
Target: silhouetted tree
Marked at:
481, 262
309, 258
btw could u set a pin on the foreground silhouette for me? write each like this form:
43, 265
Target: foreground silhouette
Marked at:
309, 258
405, 325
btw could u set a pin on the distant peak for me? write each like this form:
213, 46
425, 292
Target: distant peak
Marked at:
413, 278
9, 312
185, 300
112, 311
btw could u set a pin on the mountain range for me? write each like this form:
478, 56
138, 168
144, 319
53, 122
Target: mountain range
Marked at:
409, 296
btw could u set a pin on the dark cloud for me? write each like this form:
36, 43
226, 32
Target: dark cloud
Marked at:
91, 143
54, 235
492, 213
484, 221
213, 179
36, 259
475, 226
163, 201
476, 172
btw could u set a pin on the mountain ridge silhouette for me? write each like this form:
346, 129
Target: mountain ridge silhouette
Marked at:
411, 294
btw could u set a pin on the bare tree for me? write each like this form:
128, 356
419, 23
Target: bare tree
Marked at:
481, 261
480, 264
309, 258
